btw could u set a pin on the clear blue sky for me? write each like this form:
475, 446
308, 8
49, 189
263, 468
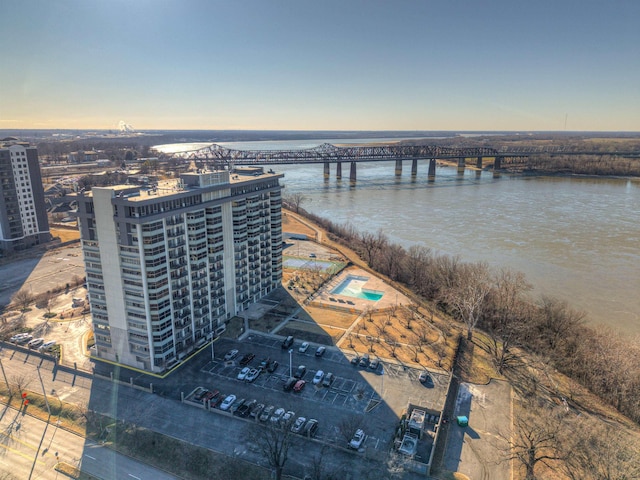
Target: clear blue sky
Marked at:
321, 64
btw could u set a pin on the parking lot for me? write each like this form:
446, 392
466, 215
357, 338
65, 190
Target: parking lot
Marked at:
374, 399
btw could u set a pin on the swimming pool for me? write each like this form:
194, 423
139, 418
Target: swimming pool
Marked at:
352, 286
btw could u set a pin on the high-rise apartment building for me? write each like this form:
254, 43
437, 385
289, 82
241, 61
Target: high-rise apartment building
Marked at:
167, 266
23, 214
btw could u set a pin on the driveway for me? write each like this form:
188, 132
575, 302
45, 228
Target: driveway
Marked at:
477, 450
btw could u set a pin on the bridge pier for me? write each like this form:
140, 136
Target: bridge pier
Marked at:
461, 165
432, 170
352, 173
479, 163
327, 170
497, 163
398, 168
414, 167
339, 171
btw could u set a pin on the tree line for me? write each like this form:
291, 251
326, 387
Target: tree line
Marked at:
499, 303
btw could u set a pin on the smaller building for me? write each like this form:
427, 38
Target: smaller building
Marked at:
83, 157
23, 214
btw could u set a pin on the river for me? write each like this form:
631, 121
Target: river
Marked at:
574, 238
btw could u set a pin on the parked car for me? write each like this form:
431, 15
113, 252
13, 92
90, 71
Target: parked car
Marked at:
266, 413
227, 402
47, 346
200, 393
265, 363
236, 405
300, 371
21, 338
317, 378
231, 354
375, 363
425, 378
244, 410
320, 351
211, 395
328, 379
289, 384
311, 428
312, 255
243, 373
247, 358
287, 342
277, 415
272, 367
357, 439
355, 360
364, 361
35, 343
287, 418
304, 347
252, 375
299, 385
298, 425
256, 410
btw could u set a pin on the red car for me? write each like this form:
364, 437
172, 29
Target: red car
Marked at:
299, 386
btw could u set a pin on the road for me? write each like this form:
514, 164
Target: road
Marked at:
30, 448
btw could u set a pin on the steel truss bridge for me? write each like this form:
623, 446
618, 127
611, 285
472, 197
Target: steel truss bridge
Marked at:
327, 153
219, 156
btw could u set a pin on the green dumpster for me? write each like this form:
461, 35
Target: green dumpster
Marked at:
462, 421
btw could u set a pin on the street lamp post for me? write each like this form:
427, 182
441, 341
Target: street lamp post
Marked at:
290, 362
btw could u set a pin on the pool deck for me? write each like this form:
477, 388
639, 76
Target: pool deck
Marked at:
391, 295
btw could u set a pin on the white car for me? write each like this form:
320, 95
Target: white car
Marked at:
298, 425
21, 338
318, 377
35, 343
231, 354
45, 347
303, 348
357, 440
252, 375
226, 404
277, 415
288, 417
243, 373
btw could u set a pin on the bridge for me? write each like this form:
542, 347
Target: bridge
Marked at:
218, 156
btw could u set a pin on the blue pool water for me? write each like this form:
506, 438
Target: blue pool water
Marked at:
352, 286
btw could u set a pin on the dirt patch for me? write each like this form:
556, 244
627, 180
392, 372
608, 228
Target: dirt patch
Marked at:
65, 235
331, 318
291, 224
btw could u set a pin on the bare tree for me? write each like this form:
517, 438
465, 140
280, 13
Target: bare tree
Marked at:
348, 426
274, 442
535, 440
295, 200
508, 318
467, 296
594, 450
45, 300
23, 298
393, 345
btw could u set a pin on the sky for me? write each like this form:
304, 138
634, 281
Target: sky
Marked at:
321, 65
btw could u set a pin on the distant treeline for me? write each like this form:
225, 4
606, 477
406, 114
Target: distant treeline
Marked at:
602, 165
499, 304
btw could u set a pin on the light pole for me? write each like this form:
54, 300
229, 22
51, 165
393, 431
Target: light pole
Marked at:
290, 362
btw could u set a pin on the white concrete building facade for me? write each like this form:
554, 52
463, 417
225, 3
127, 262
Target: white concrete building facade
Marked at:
168, 266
